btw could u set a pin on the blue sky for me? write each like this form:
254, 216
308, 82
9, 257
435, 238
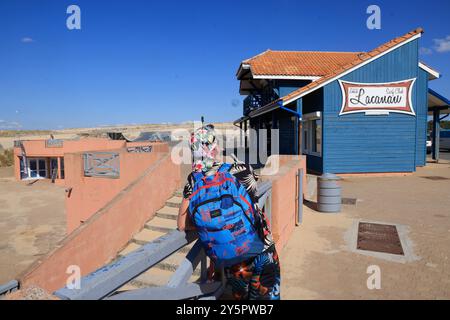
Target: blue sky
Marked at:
173, 61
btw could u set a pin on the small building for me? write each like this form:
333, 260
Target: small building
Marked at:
93, 170
44, 158
348, 112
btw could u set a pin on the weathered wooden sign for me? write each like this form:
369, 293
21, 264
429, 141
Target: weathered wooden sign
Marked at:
377, 98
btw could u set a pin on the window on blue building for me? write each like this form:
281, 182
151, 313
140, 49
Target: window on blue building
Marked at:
312, 134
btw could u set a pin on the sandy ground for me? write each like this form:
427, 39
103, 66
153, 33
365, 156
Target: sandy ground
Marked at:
131, 131
318, 263
32, 221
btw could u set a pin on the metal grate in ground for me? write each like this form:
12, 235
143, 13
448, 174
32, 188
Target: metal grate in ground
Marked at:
379, 238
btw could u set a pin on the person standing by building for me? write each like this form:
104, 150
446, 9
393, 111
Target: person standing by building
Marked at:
219, 201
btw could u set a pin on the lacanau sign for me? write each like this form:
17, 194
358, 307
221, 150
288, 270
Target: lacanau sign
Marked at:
377, 98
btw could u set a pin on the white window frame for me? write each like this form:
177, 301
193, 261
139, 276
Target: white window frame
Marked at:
38, 168
307, 121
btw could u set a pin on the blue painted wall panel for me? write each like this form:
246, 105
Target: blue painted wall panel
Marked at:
421, 112
284, 87
360, 143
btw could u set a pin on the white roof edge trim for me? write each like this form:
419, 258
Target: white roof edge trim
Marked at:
434, 73
243, 66
285, 102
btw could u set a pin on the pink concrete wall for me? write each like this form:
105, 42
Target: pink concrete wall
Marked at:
284, 206
89, 194
37, 148
98, 240
108, 230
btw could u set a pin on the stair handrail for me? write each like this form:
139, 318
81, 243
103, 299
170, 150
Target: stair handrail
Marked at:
9, 287
104, 282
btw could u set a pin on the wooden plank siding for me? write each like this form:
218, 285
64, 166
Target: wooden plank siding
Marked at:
287, 131
388, 143
422, 115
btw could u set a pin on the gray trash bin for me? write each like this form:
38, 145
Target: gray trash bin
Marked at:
328, 193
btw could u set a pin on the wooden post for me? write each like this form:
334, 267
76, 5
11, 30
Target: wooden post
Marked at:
299, 126
240, 135
299, 197
299, 137
436, 134
245, 134
59, 168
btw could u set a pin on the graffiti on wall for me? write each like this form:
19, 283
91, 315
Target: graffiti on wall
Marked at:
54, 143
139, 149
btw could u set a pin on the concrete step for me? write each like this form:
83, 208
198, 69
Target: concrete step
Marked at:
161, 224
129, 248
178, 193
146, 235
172, 263
167, 213
152, 278
133, 246
155, 277
127, 287
174, 202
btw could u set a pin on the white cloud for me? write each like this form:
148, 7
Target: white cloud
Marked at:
27, 40
9, 125
442, 45
425, 51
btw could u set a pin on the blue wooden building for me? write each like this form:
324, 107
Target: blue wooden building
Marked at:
348, 112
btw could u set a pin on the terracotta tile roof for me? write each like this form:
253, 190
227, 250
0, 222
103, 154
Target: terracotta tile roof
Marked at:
299, 63
358, 60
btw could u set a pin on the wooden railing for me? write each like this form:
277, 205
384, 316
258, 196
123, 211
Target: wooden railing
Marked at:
257, 100
250, 103
104, 282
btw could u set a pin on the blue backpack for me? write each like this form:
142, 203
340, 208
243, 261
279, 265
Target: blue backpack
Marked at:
225, 217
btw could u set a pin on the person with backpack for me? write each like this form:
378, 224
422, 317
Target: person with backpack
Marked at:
219, 202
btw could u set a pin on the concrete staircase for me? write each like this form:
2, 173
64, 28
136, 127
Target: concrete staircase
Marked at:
163, 222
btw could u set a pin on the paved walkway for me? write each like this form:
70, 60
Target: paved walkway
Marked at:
318, 262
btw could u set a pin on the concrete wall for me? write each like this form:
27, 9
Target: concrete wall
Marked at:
108, 230
89, 194
100, 237
284, 205
37, 148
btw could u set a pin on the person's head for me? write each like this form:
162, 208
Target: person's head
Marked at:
204, 148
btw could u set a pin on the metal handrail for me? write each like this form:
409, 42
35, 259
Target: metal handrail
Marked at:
9, 287
103, 283
107, 279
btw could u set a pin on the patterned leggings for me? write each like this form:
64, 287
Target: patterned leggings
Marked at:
257, 278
